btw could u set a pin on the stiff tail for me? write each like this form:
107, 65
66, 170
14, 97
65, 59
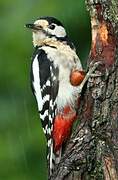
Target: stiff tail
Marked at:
52, 157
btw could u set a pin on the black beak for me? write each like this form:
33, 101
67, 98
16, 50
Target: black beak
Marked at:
33, 27
30, 26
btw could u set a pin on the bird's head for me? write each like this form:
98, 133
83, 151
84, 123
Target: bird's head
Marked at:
45, 28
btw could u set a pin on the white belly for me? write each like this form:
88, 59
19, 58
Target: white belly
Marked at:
67, 94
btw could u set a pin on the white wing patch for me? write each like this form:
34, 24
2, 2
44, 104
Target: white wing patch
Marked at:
36, 82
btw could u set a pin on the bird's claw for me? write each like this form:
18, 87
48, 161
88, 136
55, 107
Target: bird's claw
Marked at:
93, 67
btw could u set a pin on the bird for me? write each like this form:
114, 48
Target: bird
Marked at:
56, 78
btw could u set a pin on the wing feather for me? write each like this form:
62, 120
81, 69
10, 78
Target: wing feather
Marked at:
45, 85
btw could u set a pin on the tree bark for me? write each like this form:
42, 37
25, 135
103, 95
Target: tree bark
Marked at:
92, 150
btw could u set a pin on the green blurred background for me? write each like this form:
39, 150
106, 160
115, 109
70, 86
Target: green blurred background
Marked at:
22, 143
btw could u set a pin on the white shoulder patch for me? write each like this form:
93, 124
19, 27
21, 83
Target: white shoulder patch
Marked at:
36, 83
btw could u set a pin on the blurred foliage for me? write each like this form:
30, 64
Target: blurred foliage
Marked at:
22, 143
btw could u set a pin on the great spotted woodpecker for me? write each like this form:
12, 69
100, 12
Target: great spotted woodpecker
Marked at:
56, 76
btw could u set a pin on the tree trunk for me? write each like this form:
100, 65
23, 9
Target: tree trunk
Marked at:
92, 150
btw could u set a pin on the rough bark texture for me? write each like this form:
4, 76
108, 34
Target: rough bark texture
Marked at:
92, 151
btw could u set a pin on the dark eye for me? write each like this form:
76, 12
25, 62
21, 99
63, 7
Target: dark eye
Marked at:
52, 26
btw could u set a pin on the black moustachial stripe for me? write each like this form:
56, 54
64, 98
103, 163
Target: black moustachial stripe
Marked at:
52, 20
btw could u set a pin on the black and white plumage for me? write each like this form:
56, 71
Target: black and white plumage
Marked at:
53, 60
45, 83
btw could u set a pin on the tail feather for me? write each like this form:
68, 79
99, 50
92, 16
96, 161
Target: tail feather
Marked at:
58, 156
52, 157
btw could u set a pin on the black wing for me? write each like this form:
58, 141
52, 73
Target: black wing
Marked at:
45, 84
45, 87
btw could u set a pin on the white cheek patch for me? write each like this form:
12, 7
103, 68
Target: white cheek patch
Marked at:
37, 37
59, 31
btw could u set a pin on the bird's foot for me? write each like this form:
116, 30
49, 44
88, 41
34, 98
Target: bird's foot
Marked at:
91, 73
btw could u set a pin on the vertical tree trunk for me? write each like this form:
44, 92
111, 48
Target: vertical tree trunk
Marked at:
92, 151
